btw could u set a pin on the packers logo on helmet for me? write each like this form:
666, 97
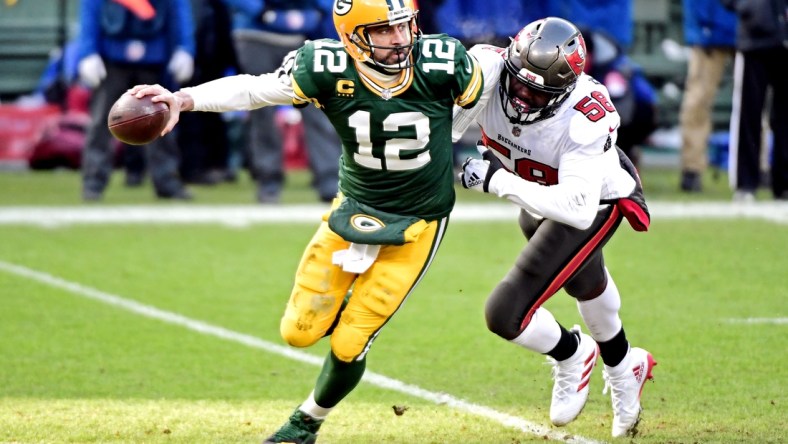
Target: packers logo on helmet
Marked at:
353, 18
341, 7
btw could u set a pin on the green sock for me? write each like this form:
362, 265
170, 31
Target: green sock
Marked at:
337, 379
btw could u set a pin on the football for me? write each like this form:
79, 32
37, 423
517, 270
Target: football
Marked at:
137, 121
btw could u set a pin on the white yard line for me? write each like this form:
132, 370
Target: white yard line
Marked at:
776, 321
245, 215
375, 379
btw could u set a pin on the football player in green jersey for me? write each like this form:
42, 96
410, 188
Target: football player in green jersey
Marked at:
389, 92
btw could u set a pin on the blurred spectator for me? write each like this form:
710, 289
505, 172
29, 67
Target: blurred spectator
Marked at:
62, 142
123, 43
264, 33
428, 16
203, 137
491, 21
633, 95
614, 17
710, 32
494, 21
59, 75
762, 48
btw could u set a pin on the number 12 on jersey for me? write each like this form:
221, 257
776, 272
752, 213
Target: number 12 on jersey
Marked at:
394, 147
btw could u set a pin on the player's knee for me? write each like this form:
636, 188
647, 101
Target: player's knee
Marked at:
310, 312
586, 291
299, 334
308, 317
347, 342
500, 314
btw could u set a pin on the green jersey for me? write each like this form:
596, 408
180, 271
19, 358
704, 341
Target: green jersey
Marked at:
396, 136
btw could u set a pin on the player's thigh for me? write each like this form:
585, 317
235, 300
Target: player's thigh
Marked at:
381, 291
554, 254
319, 289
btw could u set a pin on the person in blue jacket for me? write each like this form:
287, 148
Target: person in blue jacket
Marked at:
123, 43
264, 32
614, 17
492, 22
710, 32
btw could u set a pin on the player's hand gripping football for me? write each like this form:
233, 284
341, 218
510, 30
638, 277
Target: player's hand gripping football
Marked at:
176, 101
477, 173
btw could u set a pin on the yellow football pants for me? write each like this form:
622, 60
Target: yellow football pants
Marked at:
320, 288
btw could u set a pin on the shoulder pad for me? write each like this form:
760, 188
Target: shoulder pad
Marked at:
318, 64
593, 115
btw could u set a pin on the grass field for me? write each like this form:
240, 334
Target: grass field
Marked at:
168, 333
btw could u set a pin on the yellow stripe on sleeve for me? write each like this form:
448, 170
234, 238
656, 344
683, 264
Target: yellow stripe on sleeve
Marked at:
300, 98
474, 88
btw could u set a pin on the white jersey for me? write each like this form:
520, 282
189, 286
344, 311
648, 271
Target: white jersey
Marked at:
561, 166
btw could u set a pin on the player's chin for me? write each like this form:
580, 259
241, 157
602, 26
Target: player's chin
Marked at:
396, 57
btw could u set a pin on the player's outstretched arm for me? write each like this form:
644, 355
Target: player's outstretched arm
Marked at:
177, 102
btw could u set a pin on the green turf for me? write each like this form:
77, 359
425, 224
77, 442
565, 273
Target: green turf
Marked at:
77, 370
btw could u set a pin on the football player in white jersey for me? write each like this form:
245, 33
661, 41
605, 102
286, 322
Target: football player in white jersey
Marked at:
549, 146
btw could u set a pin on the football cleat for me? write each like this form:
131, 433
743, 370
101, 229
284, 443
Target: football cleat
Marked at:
570, 390
626, 382
299, 429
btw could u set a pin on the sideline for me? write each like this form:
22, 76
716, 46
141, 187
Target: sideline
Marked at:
373, 378
246, 215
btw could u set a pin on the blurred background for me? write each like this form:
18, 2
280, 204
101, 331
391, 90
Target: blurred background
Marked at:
638, 47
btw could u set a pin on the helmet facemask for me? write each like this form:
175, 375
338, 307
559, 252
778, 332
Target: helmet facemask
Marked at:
517, 110
354, 19
361, 38
547, 56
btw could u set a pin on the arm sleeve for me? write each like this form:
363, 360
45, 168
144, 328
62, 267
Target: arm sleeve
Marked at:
490, 62
89, 29
241, 92
472, 89
181, 14
574, 201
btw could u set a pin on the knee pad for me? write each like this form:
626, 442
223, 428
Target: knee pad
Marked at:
349, 342
308, 316
300, 331
317, 295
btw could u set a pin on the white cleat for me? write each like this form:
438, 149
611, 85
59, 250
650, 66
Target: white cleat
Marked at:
626, 382
570, 390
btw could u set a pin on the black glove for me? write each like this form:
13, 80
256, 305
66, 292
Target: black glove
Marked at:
495, 165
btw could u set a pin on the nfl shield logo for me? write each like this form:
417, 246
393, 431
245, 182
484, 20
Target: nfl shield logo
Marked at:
516, 131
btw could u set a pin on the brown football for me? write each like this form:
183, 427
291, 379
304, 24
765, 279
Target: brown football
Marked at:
137, 121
